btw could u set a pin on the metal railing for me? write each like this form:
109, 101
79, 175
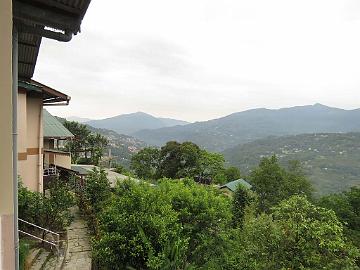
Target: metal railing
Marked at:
55, 243
50, 171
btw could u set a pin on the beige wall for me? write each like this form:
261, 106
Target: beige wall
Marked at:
58, 159
7, 247
22, 123
30, 141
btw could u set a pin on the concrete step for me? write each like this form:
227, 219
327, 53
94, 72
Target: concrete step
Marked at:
40, 260
31, 258
52, 263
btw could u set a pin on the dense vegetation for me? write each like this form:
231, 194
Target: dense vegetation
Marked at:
180, 224
178, 160
49, 211
331, 161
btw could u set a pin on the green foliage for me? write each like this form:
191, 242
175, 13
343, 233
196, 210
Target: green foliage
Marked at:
97, 188
24, 249
298, 235
93, 197
51, 211
274, 184
145, 163
84, 142
96, 144
170, 226
232, 173
242, 199
120, 169
210, 164
178, 160
346, 205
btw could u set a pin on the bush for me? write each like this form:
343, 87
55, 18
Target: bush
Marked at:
50, 212
298, 235
175, 224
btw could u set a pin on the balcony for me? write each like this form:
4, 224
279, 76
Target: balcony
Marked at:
57, 158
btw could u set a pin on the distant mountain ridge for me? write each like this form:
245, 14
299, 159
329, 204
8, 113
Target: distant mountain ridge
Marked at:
134, 122
243, 127
78, 119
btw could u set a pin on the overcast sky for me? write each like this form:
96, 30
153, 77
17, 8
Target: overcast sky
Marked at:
202, 59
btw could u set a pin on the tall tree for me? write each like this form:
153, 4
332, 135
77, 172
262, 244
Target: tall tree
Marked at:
145, 163
274, 183
84, 142
232, 173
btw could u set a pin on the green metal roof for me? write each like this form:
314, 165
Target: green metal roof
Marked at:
234, 184
29, 86
53, 128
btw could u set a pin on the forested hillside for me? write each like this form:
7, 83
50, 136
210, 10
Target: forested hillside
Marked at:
243, 127
332, 161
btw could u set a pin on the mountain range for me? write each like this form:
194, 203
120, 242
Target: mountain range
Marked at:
134, 122
247, 126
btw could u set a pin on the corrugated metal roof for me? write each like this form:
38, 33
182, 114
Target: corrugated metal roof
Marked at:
53, 128
64, 15
234, 184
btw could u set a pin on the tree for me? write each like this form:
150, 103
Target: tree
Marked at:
96, 144
210, 164
232, 173
78, 144
273, 183
346, 205
298, 235
145, 163
85, 142
169, 160
189, 156
269, 182
242, 199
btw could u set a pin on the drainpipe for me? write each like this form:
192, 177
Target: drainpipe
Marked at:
40, 184
14, 135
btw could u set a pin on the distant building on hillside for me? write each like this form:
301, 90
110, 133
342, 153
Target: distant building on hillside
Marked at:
231, 187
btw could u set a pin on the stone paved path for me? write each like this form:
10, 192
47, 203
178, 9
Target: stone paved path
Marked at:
79, 252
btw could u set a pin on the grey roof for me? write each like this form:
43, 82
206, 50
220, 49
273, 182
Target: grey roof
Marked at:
53, 128
234, 184
112, 176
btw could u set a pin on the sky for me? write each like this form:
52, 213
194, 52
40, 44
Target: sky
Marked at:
202, 59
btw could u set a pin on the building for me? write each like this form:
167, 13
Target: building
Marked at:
231, 187
55, 136
23, 23
32, 96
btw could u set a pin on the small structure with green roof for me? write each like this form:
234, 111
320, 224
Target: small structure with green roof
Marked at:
233, 185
